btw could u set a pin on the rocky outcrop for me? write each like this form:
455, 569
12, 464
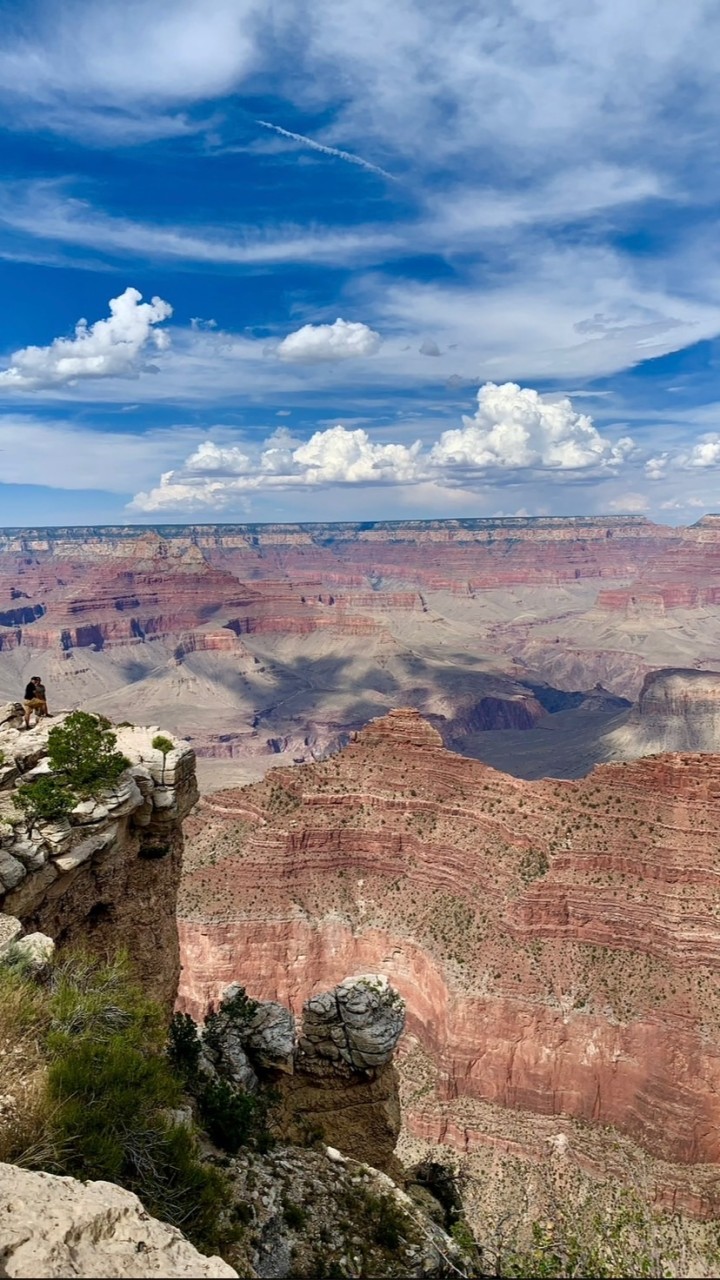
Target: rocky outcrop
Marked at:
555, 942
108, 875
313, 1211
56, 1227
678, 710
335, 1079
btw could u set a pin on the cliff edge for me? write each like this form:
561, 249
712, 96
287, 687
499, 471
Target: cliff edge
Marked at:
107, 874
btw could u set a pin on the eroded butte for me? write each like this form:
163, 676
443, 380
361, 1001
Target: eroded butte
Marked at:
557, 942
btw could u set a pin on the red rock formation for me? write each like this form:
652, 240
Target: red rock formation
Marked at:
556, 942
75, 588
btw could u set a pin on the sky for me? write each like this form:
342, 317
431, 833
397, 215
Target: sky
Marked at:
278, 260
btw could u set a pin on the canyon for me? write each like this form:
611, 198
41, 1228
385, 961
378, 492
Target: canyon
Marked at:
556, 943
268, 644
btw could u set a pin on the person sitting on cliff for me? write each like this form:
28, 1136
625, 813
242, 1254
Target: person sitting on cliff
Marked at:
35, 700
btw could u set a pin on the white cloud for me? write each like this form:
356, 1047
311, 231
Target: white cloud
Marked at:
630, 502
116, 347
515, 434
701, 456
343, 340
515, 428
213, 477
44, 211
107, 63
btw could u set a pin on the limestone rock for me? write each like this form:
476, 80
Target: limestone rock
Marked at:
108, 875
57, 1227
360, 1022
269, 1036
10, 929
229, 1059
11, 713
34, 952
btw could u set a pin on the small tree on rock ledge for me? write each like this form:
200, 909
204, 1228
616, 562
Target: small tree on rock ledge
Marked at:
82, 751
164, 746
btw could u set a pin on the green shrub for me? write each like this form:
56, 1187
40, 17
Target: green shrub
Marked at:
295, 1215
109, 1087
236, 1012
184, 1047
82, 751
233, 1119
45, 798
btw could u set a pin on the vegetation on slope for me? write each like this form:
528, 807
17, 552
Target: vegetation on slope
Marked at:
92, 1049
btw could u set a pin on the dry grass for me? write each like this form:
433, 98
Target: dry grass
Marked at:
23, 1066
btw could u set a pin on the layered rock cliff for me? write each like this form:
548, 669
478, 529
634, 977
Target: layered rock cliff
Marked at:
107, 876
678, 710
555, 942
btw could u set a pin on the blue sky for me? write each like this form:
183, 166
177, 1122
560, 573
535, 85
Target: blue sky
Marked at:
284, 260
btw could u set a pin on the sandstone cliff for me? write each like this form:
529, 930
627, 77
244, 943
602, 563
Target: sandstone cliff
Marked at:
108, 875
555, 942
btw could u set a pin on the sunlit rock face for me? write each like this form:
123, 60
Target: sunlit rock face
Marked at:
555, 942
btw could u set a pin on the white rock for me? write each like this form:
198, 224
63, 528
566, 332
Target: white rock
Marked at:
56, 834
40, 770
87, 811
58, 1227
32, 853
11, 713
35, 952
10, 929
8, 774
124, 797
143, 778
86, 849
164, 797
142, 817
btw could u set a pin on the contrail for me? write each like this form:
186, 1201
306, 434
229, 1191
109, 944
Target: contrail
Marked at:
328, 151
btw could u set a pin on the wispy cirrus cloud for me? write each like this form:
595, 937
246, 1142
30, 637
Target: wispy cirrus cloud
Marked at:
44, 211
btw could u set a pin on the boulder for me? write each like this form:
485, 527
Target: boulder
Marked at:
11, 870
271, 1036
359, 1022
57, 1227
34, 953
11, 715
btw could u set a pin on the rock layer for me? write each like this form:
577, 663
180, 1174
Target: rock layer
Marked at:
556, 943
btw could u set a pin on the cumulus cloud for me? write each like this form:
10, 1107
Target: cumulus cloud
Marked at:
115, 347
704, 455
514, 434
515, 428
214, 476
343, 340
